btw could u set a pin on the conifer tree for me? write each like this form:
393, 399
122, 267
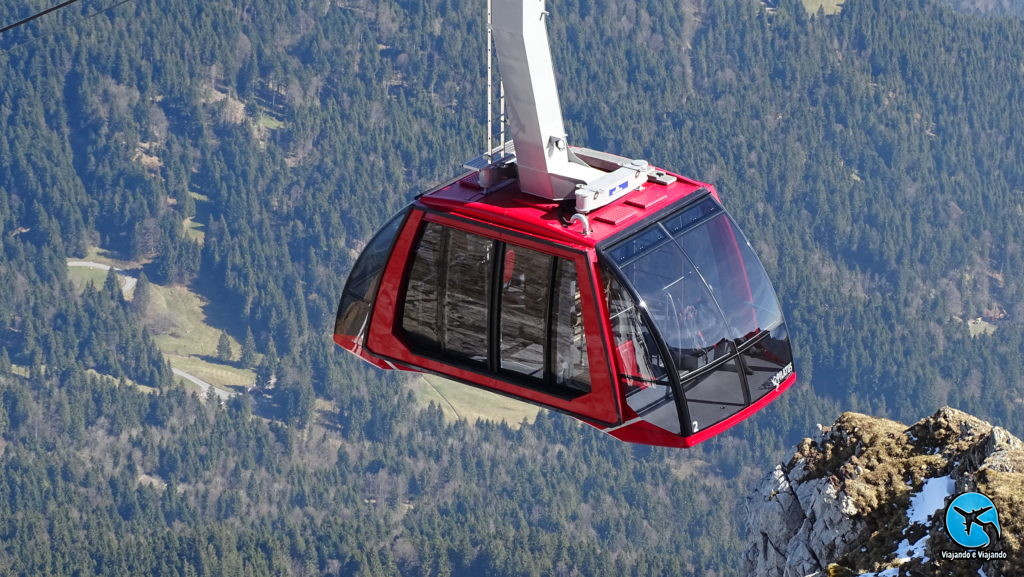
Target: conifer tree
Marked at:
248, 356
112, 285
224, 347
143, 295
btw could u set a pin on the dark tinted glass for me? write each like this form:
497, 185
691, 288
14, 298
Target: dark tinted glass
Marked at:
637, 244
679, 303
716, 252
768, 362
466, 296
571, 366
716, 394
524, 311
762, 295
707, 295
642, 370
446, 303
420, 312
361, 286
685, 218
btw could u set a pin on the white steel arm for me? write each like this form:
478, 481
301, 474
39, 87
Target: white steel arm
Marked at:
546, 167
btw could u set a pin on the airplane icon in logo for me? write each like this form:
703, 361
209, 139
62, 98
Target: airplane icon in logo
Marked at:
971, 519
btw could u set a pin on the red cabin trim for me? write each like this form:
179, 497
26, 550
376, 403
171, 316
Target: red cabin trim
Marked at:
643, 432
509, 208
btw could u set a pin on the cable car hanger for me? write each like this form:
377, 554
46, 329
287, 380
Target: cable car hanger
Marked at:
578, 280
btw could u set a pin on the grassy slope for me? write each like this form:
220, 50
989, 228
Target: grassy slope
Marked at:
179, 327
82, 276
465, 402
830, 6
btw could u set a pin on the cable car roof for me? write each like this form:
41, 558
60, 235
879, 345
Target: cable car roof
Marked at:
506, 206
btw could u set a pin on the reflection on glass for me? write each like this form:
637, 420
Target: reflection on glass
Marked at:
571, 367
766, 362
419, 317
762, 295
642, 369
361, 286
715, 395
524, 308
687, 217
638, 244
707, 296
445, 305
466, 294
679, 303
700, 280
714, 250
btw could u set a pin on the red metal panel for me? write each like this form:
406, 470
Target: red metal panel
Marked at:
650, 196
509, 208
616, 215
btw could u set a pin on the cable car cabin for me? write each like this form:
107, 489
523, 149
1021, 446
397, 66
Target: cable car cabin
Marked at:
573, 279
658, 325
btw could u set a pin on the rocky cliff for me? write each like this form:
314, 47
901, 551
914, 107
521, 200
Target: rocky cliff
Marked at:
870, 496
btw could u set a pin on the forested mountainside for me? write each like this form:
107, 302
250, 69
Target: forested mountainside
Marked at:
994, 7
245, 153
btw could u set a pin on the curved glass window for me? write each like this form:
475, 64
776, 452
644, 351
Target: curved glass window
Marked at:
768, 361
700, 279
642, 369
361, 286
711, 305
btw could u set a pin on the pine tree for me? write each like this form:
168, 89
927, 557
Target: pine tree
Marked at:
143, 295
112, 285
248, 356
224, 347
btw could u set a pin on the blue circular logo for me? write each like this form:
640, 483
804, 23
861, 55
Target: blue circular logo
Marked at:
972, 521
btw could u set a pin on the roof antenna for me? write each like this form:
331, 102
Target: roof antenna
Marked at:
488, 164
490, 151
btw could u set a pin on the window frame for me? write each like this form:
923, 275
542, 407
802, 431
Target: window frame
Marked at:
599, 406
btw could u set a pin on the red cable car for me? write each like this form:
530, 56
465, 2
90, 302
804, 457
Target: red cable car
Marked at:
584, 282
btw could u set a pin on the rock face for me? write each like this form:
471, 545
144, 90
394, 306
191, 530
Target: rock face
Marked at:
869, 497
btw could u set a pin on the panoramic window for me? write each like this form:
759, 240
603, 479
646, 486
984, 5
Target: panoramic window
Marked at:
701, 282
712, 308
715, 394
678, 301
766, 361
449, 288
537, 330
570, 365
526, 282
